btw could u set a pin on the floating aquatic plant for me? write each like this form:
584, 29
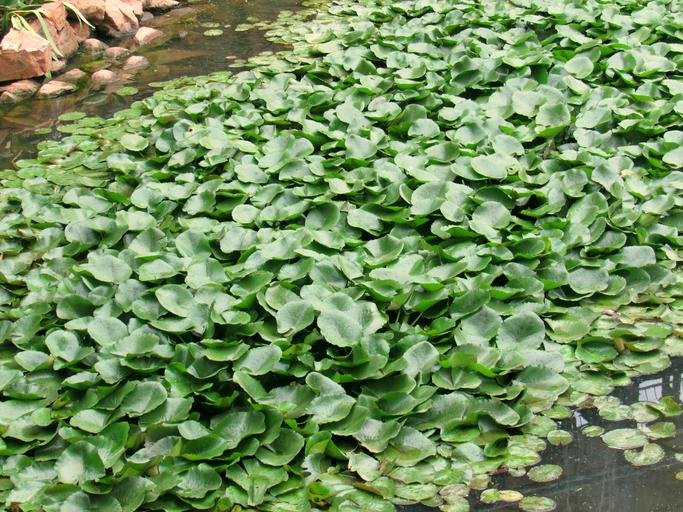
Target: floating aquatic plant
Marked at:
353, 275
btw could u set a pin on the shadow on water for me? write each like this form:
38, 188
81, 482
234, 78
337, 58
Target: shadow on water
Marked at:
184, 51
597, 478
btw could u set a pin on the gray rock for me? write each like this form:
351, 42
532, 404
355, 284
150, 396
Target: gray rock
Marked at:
145, 35
94, 46
55, 88
116, 52
73, 75
103, 76
135, 62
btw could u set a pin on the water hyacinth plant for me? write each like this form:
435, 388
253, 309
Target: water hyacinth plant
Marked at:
367, 271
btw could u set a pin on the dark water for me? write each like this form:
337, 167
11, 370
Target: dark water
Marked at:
597, 478
184, 51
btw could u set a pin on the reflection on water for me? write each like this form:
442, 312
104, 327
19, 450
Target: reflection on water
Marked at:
186, 51
598, 478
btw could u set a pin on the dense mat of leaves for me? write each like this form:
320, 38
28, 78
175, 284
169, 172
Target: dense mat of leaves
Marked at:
390, 255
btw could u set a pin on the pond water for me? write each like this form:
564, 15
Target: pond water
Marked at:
595, 477
185, 51
598, 478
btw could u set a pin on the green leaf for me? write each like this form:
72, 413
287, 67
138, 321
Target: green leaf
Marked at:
587, 281
294, 317
328, 408
64, 344
521, 331
175, 299
197, 481
339, 328
145, 397
134, 142
78, 464
649, 454
544, 473
674, 158
259, 360
282, 450
236, 426
107, 331
553, 114
359, 148
107, 268
624, 438
493, 166
131, 492
537, 504
410, 446
424, 128
90, 420
580, 66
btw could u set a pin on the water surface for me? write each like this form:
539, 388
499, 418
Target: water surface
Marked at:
597, 478
184, 51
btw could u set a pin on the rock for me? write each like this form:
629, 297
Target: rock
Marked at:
103, 76
81, 30
57, 65
92, 10
182, 11
21, 89
94, 46
119, 19
116, 52
135, 5
55, 13
146, 16
159, 5
54, 16
17, 91
66, 40
73, 75
55, 88
23, 54
135, 62
146, 34
8, 97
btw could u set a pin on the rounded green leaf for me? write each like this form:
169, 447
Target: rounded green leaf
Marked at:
175, 299
624, 438
560, 437
649, 454
145, 397
674, 158
63, 344
107, 268
134, 142
537, 504
580, 66
523, 330
107, 331
492, 166
79, 463
294, 317
259, 360
588, 280
329, 408
544, 473
339, 328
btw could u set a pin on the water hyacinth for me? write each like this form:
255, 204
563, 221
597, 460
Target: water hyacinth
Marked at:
354, 274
